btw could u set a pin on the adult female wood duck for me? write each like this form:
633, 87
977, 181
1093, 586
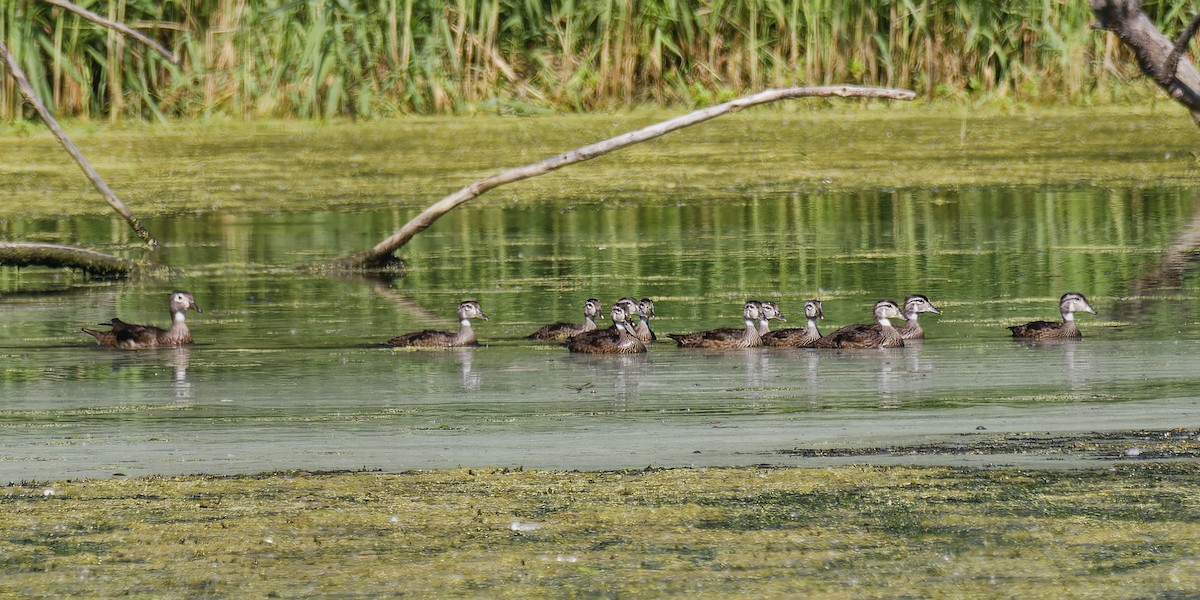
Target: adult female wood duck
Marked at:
444, 339
726, 337
1068, 305
560, 330
135, 337
798, 337
867, 335
617, 339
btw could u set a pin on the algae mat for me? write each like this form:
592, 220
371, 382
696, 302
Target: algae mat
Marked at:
855, 531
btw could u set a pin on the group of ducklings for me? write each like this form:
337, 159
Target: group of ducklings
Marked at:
630, 329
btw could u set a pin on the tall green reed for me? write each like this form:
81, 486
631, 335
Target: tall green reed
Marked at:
329, 58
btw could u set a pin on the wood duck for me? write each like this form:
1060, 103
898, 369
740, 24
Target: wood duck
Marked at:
768, 311
1068, 305
444, 339
644, 309
617, 339
134, 337
798, 337
726, 337
914, 305
867, 335
560, 330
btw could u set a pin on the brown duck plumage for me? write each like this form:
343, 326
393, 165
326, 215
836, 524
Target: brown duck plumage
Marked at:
803, 337
644, 310
134, 337
748, 337
768, 311
1068, 305
560, 330
867, 335
913, 306
617, 339
444, 339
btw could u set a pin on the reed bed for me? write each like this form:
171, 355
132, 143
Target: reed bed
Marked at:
366, 58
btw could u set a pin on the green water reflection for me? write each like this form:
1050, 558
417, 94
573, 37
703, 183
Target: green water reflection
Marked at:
288, 362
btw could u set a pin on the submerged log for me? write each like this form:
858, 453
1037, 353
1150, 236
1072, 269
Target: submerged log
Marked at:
1158, 57
382, 256
22, 254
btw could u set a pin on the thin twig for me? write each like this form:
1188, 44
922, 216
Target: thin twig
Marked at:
70, 147
121, 27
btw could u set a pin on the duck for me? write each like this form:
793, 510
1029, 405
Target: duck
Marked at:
135, 337
726, 337
769, 310
797, 337
644, 309
444, 339
616, 339
556, 331
915, 304
1068, 305
866, 335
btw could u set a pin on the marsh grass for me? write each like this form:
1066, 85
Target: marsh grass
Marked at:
363, 58
854, 531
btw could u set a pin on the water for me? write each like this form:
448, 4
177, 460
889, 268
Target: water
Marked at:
289, 373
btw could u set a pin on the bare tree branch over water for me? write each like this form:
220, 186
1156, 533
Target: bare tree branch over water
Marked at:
382, 255
1160, 58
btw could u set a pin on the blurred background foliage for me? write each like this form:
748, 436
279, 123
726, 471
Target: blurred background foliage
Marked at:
372, 58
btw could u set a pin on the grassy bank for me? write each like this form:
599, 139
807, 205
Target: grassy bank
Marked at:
367, 58
861, 532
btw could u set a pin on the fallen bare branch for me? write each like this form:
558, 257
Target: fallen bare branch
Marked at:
22, 254
383, 254
1158, 57
31, 96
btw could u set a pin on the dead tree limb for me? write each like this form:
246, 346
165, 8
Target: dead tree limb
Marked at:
383, 254
31, 96
1158, 57
124, 29
21, 254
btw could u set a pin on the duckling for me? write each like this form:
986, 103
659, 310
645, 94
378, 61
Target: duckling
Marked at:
914, 305
617, 339
444, 339
560, 330
726, 338
644, 309
798, 337
866, 335
769, 310
1068, 305
134, 337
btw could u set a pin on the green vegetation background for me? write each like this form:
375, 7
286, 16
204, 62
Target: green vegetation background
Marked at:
374, 58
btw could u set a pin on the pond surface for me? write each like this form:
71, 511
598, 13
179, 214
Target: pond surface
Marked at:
288, 371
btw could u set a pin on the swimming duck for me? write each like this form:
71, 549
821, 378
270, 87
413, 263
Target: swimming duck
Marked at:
867, 335
797, 337
768, 311
644, 309
134, 337
914, 305
560, 330
726, 337
444, 339
1068, 305
617, 339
